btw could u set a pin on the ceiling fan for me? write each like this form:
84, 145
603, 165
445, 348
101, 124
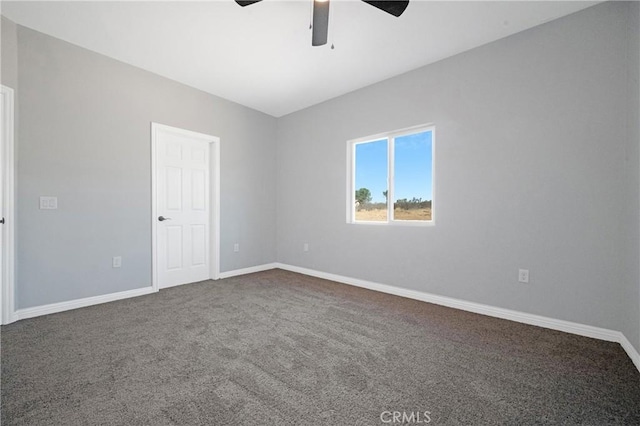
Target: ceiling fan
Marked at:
320, 26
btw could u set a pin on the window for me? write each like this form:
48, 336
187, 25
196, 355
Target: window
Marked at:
391, 178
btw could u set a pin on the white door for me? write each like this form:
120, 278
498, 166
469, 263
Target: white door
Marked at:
182, 207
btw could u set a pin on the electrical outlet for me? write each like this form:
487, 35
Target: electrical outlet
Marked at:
117, 261
305, 247
236, 247
523, 275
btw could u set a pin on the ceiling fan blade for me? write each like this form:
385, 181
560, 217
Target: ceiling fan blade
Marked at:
395, 8
246, 2
320, 22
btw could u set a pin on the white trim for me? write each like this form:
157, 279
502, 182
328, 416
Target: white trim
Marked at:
80, 303
508, 314
8, 190
214, 187
631, 351
250, 270
154, 211
214, 176
537, 320
351, 182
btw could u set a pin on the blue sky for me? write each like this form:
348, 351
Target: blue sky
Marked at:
413, 163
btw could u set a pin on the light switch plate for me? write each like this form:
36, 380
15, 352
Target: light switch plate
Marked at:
48, 203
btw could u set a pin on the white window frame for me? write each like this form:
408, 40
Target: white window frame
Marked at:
351, 176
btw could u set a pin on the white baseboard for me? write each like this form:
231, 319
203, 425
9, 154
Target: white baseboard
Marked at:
631, 351
244, 271
89, 301
537, 320
78, 303
492, 311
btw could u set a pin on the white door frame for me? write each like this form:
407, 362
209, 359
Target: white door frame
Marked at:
7, 305
214, 188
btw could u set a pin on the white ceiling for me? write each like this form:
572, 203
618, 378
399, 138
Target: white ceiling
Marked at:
261, 55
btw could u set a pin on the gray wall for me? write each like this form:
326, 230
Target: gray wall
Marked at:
633, 237
536, 167
9, 51
85, 138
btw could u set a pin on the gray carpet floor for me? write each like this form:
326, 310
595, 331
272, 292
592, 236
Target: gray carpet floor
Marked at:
278, 348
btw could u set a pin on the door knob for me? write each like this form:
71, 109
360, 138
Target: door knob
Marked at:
162, 218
